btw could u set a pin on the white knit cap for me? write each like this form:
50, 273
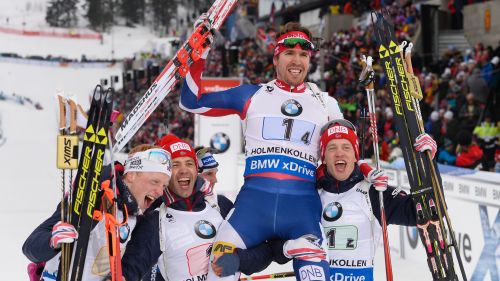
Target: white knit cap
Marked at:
151, 160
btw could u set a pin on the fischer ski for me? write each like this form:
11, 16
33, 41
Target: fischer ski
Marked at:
85, 197
423, 175
175, 70
109, 213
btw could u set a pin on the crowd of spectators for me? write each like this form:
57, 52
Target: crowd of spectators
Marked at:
21, 100
459, 109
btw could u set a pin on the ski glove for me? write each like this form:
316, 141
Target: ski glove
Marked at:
425, 142
306, 247
62, 233
35, 271
201, 19
379, 179
226, 265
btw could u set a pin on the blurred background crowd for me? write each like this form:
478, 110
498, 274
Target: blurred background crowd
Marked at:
459, 108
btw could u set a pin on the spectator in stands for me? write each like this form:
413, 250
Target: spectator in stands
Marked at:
469, 113
478, 86
433, 126
487, 135
447, 154
469, 154
451, 126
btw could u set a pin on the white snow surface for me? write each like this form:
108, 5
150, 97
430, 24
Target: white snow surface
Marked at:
29, 180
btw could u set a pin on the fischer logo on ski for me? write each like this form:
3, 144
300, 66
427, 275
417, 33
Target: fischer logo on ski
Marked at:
85, 197
423, 175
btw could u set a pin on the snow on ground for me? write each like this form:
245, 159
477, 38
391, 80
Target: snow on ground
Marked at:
120, 42
29, 180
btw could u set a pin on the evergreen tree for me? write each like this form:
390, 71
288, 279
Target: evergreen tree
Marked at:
100, 13
163, 12
62, 13
133, 11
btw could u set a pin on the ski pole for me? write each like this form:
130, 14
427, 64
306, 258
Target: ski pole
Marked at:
269, 276
367, 78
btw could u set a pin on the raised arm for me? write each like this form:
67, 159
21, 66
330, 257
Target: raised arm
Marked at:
231, 101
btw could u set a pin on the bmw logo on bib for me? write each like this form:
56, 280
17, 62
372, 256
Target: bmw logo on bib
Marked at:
204, 229
291, 108
332, 211
220, 142
124, 233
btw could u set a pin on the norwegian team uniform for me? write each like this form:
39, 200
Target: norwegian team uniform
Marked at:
177, 239
351, 222
281, 126
37, 248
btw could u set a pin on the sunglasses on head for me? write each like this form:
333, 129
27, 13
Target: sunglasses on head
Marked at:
157, 155
294, 41
341, 122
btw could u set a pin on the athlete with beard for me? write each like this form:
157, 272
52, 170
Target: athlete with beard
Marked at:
281, 122
174, 241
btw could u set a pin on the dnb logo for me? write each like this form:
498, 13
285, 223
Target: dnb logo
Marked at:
291, 108
204, 229
311, 273
220, 142
332, 211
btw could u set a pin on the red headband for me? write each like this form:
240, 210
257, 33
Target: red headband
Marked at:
292, 34
339, 132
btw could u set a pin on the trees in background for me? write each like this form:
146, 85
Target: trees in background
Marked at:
102, 14
62, 13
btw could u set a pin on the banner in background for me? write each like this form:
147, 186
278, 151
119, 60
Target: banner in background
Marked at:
223, 134
474, 210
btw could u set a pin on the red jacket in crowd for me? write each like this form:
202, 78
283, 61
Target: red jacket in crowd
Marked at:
469, 158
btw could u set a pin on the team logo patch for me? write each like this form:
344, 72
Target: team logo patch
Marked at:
312, 273
223, 248
337, 130
332, 211
220, 142
291, 108
179, 146
204, 229
124, 233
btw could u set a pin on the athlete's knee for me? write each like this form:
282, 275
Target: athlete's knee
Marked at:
307, 247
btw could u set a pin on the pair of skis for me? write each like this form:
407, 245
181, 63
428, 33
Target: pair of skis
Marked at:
190, 52
67, 162
84, 197
425, 181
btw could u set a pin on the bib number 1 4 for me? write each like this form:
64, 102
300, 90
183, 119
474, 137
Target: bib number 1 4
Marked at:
288, 129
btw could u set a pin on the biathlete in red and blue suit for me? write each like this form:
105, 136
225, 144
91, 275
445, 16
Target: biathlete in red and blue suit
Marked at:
281, 125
